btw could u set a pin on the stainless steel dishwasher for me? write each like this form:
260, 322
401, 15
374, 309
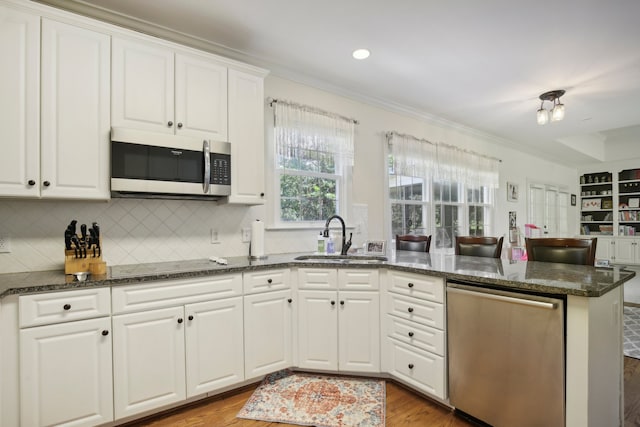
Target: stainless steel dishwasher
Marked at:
506, 356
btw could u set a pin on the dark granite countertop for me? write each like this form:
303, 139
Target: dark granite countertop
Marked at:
542, 277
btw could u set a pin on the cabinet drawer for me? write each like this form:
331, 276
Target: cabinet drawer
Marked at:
358, 279
421, 369
64, 306
424, 337
417, 285
424, 312
170, 293
268, 280
317, 278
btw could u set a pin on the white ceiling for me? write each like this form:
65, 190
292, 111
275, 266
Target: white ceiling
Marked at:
481, 64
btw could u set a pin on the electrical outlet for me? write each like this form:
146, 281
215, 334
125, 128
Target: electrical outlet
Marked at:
246, 235
5, 243
215, 236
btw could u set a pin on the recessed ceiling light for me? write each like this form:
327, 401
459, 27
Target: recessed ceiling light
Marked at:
361, 53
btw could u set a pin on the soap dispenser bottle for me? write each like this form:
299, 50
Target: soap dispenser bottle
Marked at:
321, 244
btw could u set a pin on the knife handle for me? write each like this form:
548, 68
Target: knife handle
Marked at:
67, 239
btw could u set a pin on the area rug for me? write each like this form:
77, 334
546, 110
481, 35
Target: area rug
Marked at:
317, 400
631, 343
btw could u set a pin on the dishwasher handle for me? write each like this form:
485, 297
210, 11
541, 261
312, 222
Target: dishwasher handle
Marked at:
496, 297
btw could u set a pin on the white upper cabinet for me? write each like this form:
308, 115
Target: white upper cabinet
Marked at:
142, 86
19, 103
201, 98
55, 128
159, 90
246, 134
74, 160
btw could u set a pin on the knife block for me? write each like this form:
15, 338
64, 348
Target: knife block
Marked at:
93, 264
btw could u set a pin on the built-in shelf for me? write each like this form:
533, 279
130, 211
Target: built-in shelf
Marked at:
596, 201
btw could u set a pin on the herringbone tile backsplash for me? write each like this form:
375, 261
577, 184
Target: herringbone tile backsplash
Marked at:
138, 231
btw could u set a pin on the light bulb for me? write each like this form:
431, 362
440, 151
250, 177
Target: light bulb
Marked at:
557, 113
543, 116
361, 53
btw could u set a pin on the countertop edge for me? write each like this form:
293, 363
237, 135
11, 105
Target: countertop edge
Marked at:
503, 283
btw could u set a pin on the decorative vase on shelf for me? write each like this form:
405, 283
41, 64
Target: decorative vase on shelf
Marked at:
590, 180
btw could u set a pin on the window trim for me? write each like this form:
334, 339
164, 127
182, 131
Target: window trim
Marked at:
272, 204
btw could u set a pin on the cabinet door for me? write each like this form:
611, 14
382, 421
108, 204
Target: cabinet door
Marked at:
19, 103
142, 86
201, 98
75, 112
246, 135
65, 374
148, 360
267, 332
605, 248
318, 330
625, 251
214, 345
359, 331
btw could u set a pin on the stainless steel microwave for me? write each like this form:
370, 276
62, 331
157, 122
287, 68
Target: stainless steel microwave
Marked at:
156, 165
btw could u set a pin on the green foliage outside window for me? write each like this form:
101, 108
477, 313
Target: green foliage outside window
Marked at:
308, 186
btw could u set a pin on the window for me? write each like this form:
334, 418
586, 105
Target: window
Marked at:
439, 190
409, 204
313, 162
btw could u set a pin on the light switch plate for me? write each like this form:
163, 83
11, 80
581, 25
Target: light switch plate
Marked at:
246, 235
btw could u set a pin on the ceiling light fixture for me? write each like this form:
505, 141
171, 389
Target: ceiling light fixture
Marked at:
361, 53
557, 111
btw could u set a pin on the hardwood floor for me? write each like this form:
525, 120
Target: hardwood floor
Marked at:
404, 408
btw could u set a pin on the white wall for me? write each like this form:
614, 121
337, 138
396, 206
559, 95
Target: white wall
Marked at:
153, 230
374, 122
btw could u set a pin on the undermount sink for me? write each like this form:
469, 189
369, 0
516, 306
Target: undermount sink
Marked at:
344, 259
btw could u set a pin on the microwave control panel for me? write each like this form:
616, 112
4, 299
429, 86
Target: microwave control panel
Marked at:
220, 169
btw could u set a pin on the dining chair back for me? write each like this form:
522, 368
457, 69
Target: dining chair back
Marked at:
489, 247
562, 250
412, 242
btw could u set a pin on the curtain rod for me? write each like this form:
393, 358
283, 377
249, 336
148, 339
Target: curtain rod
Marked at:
271, 101
402, 135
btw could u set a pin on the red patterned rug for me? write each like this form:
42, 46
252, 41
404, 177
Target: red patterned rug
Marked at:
317, 400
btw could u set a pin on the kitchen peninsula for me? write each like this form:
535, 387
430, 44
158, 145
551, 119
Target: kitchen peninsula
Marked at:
593, 325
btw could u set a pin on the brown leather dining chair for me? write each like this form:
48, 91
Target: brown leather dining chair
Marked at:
412, 242
562, 250
488, 247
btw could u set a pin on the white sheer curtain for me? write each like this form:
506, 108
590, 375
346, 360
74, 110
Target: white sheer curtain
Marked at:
411, 156
303, 127
464, 167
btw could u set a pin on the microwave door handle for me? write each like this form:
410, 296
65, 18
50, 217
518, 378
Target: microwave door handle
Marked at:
207, 166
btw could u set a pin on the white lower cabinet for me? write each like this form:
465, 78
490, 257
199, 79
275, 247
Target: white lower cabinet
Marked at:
626, 251
338, 330
420, 369
606, 248
65, 374
167, 355
267, 332
65, 358
164, 355
148, 360
214, 345
414, 333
